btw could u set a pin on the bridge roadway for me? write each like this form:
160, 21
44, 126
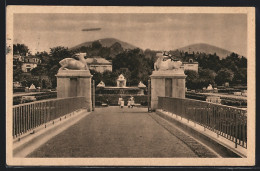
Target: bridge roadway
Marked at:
127, 132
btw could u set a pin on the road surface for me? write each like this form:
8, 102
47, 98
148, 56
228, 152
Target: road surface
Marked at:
127, 132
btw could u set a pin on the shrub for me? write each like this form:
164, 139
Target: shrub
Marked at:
40, 96
112, 99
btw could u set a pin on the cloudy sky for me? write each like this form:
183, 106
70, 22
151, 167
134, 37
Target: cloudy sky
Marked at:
154, 31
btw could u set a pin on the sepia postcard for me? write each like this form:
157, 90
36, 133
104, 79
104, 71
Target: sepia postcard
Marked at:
130, 86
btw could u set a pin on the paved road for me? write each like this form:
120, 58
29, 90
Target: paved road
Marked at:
115, 132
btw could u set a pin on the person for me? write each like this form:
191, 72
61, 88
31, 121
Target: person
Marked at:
129, 103
107, 102
119, 101
132, 101
122, 103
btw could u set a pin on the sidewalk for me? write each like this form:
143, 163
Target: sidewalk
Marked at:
199, 131
28, 142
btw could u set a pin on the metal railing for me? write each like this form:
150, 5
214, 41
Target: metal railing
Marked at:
229, 122
28, 116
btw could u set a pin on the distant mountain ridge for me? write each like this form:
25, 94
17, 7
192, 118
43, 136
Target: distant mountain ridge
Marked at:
107, 42
198, 47
206, 48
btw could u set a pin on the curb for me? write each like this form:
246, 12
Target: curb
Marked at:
221, 148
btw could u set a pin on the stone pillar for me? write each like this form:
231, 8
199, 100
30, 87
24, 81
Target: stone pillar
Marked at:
158, 85
73, 83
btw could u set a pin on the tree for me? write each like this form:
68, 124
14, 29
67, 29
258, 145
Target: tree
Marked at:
191, 79
17, 72
21, 49
224, 75
207, 76
96, 45
136, 63
39, 71
115, 49
56, 55
213, 62
109, 78
240, 77
43, 56
97, 76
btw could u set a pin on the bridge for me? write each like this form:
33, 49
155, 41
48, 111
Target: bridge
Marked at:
171, 126
64, 128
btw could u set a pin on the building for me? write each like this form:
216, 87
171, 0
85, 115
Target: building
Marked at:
17, 58
99, 64
29, 62
121, 88
191, 65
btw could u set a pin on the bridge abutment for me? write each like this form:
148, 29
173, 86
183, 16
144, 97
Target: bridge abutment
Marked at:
73, 83
169, 83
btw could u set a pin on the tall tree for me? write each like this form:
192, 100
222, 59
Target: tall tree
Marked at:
191, 79
21, 49
224, 75
56, 55
207, 76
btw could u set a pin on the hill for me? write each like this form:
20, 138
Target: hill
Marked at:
106, 42
206, 48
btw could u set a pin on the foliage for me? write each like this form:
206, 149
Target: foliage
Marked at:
199, 80
17, 73
97, 76
191, 79
109, 78
233, 62
96, 45
207, 76
137, 65
21, 49
56, 55
39, 96
43, 56
39, 70
112, 99
224, 75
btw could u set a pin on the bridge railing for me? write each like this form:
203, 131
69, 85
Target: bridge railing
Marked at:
28, 116
229, 122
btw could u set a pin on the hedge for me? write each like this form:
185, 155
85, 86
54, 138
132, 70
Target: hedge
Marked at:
195, 96
39, 96
112, 99
224, 100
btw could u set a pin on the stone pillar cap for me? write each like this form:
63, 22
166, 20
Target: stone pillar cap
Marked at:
73, 73
169, 73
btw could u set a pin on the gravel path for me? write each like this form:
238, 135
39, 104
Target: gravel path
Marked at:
115, 132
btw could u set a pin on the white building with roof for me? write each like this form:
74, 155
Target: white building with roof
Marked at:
191, 65
30, 62
99, 64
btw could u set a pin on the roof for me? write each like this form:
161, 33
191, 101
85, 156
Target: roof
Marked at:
98, 60
121, 77
190, 62
30, 57
17, 56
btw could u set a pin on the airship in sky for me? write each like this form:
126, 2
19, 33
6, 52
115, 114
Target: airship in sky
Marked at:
91, 29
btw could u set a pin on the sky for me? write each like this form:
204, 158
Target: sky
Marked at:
40, 32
